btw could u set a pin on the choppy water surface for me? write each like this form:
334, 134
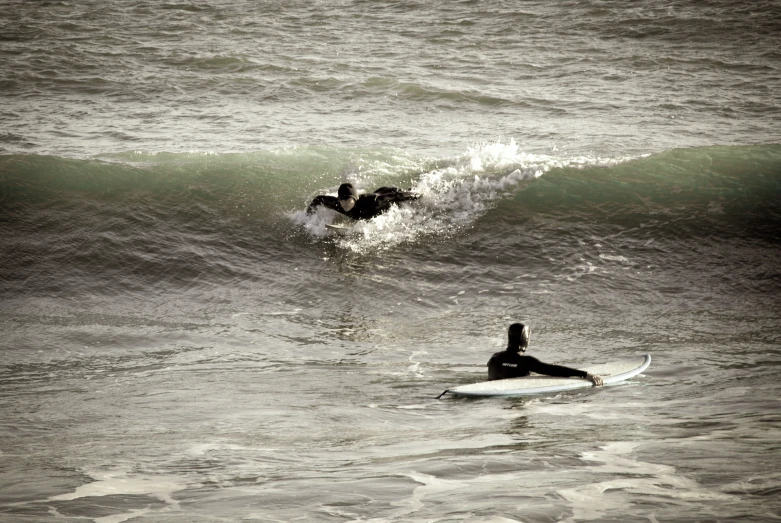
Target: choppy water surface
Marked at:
181, 342
433, 77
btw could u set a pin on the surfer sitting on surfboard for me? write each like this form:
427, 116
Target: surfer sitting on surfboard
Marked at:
510, 363
365, 206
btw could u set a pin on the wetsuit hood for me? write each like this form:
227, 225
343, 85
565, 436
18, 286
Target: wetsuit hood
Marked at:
518, 337
346, 190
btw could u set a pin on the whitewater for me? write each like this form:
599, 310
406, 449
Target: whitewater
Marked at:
181, 341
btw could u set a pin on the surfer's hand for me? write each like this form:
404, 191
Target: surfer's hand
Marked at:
595, 379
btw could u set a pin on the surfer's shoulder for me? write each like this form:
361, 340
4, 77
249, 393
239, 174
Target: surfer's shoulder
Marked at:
503, 355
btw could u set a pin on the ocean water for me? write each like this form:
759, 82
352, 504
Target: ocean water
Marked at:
182, 343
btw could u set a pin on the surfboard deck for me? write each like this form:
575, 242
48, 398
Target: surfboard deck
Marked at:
531, 385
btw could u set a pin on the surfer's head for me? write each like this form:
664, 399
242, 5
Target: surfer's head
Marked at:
347, 196
518, 337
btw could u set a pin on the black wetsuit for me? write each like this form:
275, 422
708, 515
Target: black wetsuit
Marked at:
510, 364
367, 206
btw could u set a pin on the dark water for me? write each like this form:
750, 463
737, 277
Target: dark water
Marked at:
180, 342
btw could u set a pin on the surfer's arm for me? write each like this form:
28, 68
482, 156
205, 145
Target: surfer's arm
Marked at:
565, 372
559, 371
327, 201
596, 380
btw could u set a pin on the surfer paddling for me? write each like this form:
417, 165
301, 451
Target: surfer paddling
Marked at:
512, 363
365, 206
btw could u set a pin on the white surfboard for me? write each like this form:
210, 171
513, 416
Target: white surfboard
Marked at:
335, 227
530, 385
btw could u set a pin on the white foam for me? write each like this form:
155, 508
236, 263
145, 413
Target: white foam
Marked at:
160, 487
315, 223
630, 479
118, 483
119, 518
429, 486
452, 197
618, 258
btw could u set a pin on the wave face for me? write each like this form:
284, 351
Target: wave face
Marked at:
128, 222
